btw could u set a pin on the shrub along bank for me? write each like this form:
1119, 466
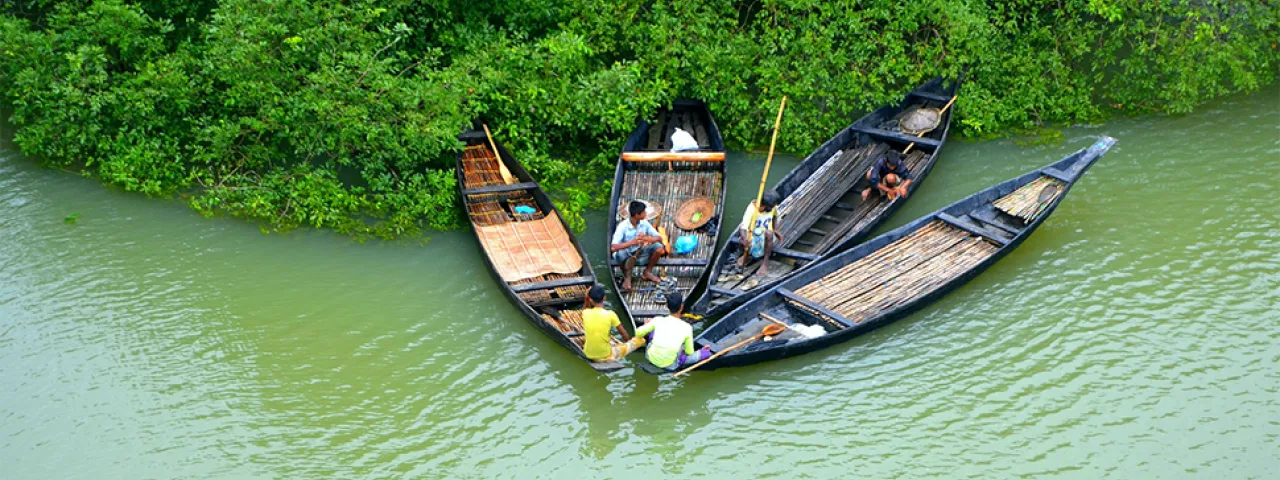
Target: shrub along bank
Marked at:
343, 114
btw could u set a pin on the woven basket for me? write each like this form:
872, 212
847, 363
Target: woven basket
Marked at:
695, 213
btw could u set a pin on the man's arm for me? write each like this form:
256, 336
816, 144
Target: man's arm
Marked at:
645, 329
622, 332
613, 247
688, 345
617, 243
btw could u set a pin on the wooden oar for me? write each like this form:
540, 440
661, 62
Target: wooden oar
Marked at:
768, 330
769, 160
502, 167
926, 132
777, 322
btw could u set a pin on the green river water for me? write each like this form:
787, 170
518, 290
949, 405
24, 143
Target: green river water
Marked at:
1135, 335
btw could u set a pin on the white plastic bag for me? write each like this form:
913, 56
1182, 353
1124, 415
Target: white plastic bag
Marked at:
681, 141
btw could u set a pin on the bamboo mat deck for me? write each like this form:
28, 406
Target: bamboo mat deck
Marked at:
643, 295
547, 296
480, 167
867, 212
670, 189
899, 272
1025, 201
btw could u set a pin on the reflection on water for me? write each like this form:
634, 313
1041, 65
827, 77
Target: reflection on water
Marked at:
1135, 335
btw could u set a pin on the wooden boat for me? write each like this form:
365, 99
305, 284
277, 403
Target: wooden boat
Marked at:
527, 245
822, 212
647, 170
899, 272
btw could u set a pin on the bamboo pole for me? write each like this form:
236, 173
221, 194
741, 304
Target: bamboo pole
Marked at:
772, 142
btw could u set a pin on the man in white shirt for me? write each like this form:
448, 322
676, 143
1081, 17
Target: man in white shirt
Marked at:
758, 232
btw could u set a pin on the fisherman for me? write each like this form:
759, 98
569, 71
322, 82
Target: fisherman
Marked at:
635, 240
671, 338
758, 232
597, 323
888, 177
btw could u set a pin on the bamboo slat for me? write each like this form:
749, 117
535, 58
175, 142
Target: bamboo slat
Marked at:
867, 211
899, 272
1025, 201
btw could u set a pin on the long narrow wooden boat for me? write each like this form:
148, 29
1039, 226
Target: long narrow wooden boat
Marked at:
822, 212
899, 272
526, 244
647, 170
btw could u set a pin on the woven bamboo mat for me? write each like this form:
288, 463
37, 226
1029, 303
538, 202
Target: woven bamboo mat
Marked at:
480, 167
899, 272
1025, 201
521, 250
644, 295
670, 189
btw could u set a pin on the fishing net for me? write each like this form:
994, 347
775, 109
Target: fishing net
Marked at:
920, 121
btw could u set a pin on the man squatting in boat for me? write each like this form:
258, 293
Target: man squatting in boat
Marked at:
888, 177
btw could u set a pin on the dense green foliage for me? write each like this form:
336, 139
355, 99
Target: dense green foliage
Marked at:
344, 114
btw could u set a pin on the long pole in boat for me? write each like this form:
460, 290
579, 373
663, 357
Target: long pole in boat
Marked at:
769, 160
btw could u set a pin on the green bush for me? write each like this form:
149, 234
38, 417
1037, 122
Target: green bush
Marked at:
344, 115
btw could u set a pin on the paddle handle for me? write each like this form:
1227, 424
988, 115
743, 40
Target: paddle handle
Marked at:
940, 113
774, 320
769, 160
502, 167
722, 352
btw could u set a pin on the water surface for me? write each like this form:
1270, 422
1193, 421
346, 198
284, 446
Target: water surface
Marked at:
1135, 335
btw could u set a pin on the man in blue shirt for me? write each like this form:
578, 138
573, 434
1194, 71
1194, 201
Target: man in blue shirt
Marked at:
635, 240
888, 177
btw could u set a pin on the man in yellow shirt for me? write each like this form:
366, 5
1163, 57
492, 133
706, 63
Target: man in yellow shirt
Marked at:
597, 324
672, 344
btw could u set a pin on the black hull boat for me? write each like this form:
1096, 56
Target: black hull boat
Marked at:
822, 212
526, 244
649, 171
896, 273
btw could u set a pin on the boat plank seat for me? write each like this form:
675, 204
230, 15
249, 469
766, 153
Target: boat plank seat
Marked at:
500, 188
795, 254
794, 297
921, 142
562, 282
667, 262
988, 217
973, 228
725, 291
1056, 174
930, 96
